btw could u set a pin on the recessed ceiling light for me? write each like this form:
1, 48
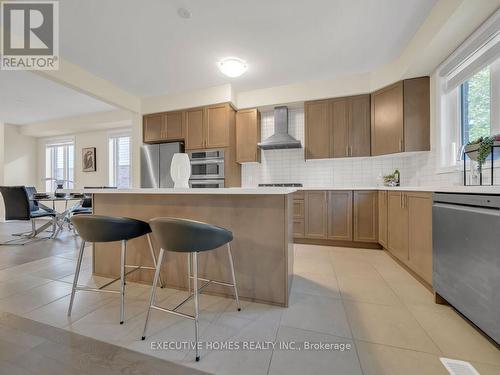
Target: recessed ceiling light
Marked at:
184, 13
232, 66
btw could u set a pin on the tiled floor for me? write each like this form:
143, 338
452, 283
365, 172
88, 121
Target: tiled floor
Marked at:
355, 297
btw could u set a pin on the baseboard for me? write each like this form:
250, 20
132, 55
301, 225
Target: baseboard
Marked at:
355, 244
411, 272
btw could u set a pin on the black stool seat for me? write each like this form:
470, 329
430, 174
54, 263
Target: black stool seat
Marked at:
182, 235
82, 211
97, 228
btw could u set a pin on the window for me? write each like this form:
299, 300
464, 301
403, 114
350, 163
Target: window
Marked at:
120, 171
468, 94
475, 105
59, 164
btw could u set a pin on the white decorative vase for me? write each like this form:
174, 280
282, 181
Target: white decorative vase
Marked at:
180, 170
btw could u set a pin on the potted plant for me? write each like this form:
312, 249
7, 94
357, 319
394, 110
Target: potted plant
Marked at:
479, 149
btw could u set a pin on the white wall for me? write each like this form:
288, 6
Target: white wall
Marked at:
20, 160
99, 140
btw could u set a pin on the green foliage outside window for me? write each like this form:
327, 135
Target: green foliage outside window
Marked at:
476, 94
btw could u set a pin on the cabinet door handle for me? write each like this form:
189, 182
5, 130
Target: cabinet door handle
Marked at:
350, 150
401, 145
347, 150
401, 200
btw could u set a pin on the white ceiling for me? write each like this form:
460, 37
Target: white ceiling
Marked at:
145, 48
26, 98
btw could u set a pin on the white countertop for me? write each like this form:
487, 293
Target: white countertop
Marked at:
443, 189
285, 190
220, 191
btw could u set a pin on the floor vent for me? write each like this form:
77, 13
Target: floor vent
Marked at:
456, 367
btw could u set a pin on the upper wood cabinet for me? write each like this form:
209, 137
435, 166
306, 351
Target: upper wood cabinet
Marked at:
339, 215
359, 125
152, 128
400, 117
195, 132
217, 126
173, 126
247, 135
161, 127
365, 216
419, 206
382, 218
317, 129
337, 128
339, 132
201, 128
416, 108
315, 215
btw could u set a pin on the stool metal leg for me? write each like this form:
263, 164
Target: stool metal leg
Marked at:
77, 274
233, 276
152, 299
122, 281
195, 287
151, 249
189, 272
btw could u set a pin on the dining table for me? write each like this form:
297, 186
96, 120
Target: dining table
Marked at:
71, 201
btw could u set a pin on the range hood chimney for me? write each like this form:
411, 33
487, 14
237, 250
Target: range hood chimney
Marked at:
280, 139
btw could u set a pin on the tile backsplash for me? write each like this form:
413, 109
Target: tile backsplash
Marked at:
279, 166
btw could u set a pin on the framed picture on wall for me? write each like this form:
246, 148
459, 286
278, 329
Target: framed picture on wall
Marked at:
88, 159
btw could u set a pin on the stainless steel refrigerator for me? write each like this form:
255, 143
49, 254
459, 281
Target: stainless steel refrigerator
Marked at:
155, 164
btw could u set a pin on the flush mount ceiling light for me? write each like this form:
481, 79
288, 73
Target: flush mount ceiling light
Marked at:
232, 66
184, 13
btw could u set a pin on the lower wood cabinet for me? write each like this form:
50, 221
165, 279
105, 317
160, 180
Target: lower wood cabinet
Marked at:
365, 216
399, 221
298, 228
382, 218
419, 206
298, 214
339, 215
397, 225
315, 215
409, 230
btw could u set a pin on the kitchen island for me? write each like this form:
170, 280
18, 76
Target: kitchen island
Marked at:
260, 219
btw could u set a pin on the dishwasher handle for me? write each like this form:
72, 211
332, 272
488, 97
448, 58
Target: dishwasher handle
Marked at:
472, 209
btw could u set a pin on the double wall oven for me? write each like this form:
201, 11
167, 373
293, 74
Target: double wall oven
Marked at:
207, 169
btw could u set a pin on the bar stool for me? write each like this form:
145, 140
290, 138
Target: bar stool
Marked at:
191, 237
96, 228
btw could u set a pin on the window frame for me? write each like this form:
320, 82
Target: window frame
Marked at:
112, 158
481, 49
49, 146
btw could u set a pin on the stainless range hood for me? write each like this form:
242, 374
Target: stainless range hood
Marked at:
280, 139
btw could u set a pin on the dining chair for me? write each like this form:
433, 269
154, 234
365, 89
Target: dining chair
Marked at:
19, 206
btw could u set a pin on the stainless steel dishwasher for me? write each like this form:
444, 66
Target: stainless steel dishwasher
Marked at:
466, 256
